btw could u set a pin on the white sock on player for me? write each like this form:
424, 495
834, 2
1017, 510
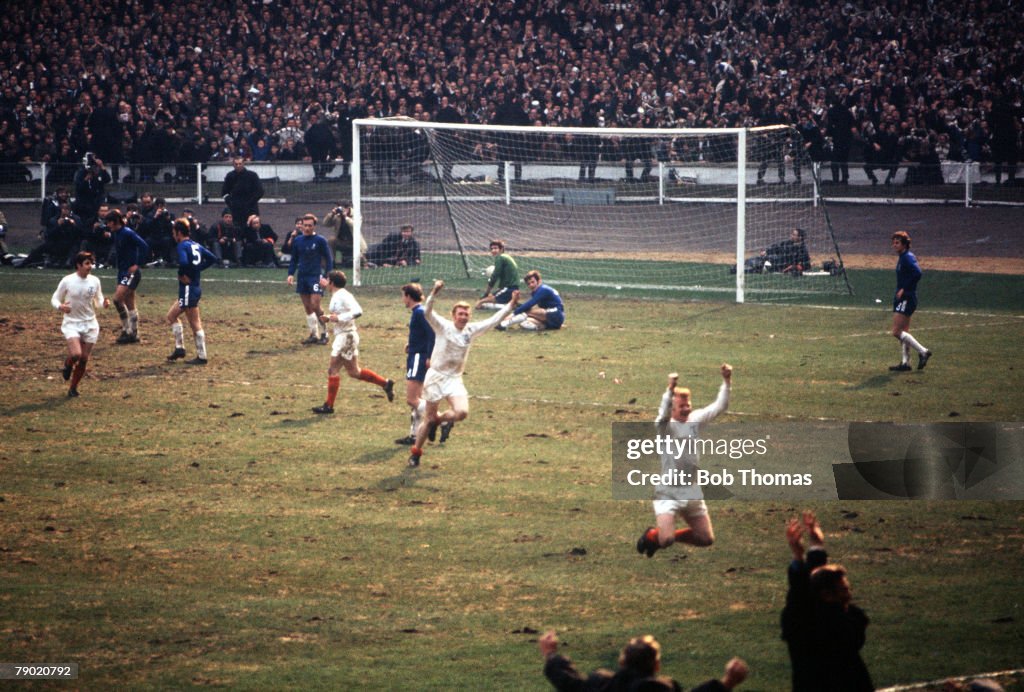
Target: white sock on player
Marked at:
514, 320
417, 416
908, 340
201, 344
179, 335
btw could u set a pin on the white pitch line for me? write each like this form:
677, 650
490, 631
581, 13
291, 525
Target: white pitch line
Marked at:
945, 328
962, 678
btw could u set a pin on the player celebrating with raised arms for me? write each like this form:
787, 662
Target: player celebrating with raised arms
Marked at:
677, 418
343, 311
447, 363
311, 259
193, 258
77, 296
132, 252
904, 303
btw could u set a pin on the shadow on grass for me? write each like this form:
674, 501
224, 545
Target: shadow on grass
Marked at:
874, 382
306, 422
384, 454
406, 479
46, 404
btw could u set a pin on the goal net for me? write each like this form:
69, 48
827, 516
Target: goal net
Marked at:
673, 211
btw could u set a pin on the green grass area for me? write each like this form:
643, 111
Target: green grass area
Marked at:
182, 526
676, 281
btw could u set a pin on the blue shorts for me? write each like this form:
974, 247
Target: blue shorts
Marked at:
309, 284
189, 295
416, 366
906, 306
504, 295
555, 318
130, 280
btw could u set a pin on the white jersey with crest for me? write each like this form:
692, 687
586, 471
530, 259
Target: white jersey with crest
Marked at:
84, 296
451, 346
686, 463
346, 308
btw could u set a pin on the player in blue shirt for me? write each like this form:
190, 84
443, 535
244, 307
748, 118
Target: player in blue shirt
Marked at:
132, 252
904, 303
417, 358
193, 258
544, 309
312, 259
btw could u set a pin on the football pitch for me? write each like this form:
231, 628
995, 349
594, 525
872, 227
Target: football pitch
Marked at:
183, 526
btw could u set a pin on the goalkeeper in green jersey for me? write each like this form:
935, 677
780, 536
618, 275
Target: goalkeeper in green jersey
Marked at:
503, 280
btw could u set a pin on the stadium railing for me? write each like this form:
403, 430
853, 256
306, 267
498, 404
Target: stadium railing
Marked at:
948, 183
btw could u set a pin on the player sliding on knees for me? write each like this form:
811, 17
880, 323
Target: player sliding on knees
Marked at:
342, 313
447, 363
677, 418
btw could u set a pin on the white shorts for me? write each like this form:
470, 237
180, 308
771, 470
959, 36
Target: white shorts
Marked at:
438, 386
681, 508
87, 331
346, 345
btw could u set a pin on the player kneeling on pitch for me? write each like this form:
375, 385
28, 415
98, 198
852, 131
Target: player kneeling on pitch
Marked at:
677, 418
342, 314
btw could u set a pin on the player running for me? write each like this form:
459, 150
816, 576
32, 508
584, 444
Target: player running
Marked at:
193, 258
544, 309
132, 252
77, 296
311, 259
447, 363
677, 418
904, 303
343, 311
417, 358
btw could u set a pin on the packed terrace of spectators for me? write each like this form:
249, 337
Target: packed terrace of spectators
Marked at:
185, 82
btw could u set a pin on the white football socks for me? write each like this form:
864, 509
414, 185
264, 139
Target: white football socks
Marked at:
908, 340
514, 320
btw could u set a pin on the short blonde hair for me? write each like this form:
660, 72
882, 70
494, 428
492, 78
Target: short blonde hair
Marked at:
462, 304
682, 391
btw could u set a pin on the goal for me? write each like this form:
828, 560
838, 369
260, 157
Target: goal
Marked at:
666, 211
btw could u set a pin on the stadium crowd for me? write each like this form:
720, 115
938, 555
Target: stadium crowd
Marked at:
143, 82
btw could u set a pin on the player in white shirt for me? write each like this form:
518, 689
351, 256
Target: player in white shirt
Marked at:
342, 314
77, 297
677, 418
447, 363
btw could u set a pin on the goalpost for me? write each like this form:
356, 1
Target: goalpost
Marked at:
669, 211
